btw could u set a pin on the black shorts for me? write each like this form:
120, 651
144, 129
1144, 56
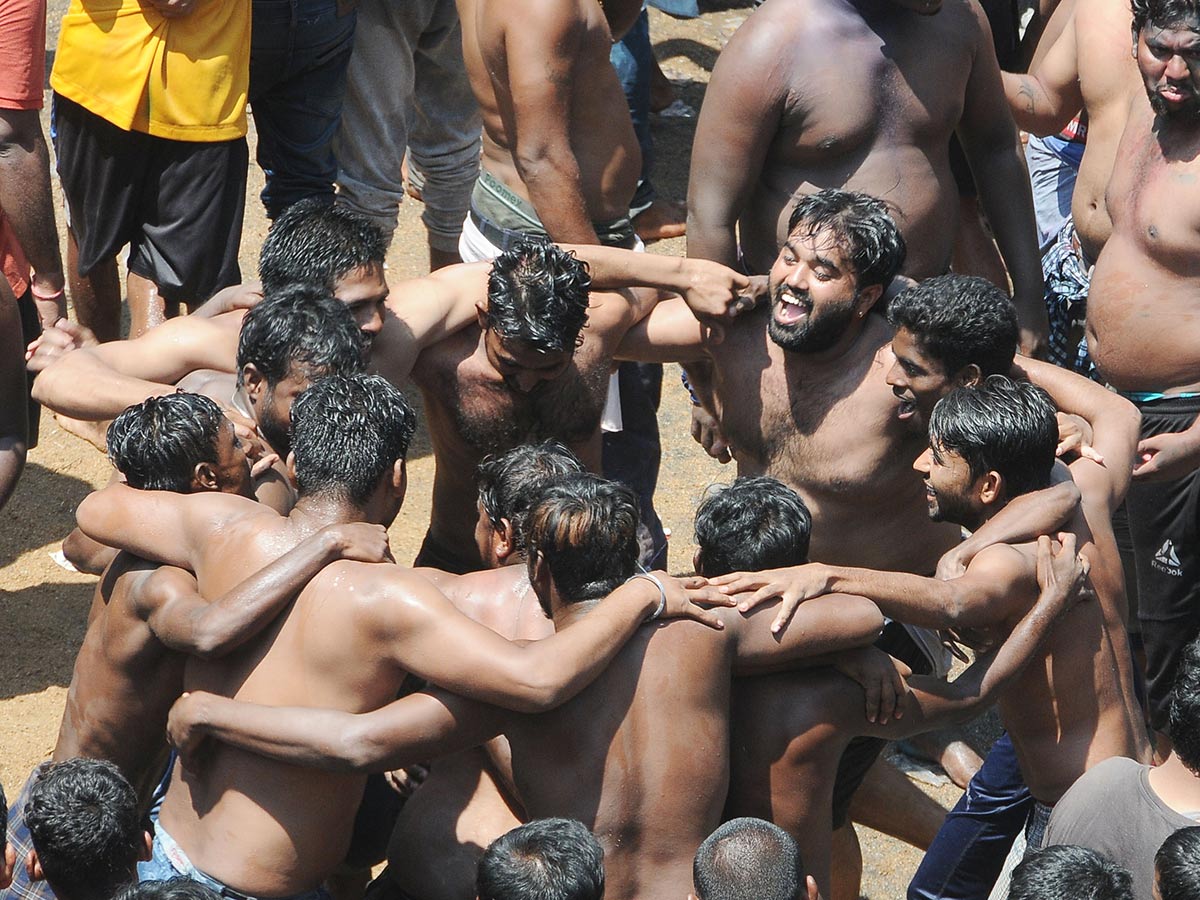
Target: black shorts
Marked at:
1164, 522
31, 330
860, 754
177, 204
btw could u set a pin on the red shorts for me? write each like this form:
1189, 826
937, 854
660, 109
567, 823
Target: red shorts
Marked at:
22, 53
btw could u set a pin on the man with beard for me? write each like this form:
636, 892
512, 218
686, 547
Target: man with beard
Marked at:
1074, 706
1144, 333
849, 94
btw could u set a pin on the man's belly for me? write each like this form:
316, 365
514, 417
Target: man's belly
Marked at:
1143, 322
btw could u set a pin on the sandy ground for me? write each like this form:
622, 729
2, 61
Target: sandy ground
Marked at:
43, 608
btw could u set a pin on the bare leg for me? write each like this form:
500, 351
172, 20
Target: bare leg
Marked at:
887, 801
663, 219
846, 876
147, 307
947, 748
97, 296
975, 252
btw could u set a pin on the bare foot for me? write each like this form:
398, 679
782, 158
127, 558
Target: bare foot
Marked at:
409, 188
663, 219
95, 433
662, 92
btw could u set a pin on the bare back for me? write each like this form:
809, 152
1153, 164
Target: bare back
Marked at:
1108, 78
463, 805
832, 433
123, 684
1143, 325
641, 757
260, 826
497, 32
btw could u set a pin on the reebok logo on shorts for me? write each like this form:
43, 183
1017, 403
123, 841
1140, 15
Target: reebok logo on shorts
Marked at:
1167, 561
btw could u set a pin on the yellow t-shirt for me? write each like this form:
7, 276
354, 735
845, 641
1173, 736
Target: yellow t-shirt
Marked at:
184, 78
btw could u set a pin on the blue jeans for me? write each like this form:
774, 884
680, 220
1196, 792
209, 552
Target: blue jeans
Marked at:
965, 858
633, 59
167, 861
300, 50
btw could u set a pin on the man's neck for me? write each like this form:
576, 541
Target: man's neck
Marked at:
565, 613
1176, 785
313, 513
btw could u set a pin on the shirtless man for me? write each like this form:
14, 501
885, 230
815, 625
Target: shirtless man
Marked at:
560, 157
348, 640
846, 93
790, 730
298, 333
641, 755
146, 619
1142, 329
1088, 67
1074, 706
465, 803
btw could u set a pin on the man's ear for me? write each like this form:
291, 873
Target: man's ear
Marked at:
146, 851
290, 465
505, 542
811, 884
481, 316
867, 298
400, 478
970, 374
253, 381
990, 487
697, 560
33, 867
691, 896
204, 477
539, 575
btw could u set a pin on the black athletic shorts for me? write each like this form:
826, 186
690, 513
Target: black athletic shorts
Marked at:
1164, 521
177, 204
860, 754
31, 330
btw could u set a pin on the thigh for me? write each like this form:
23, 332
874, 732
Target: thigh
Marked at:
102, 169
192, 221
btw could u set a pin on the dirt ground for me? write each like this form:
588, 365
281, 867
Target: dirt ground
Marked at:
43, 608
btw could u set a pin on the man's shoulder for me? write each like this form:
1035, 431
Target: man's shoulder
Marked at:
1115, 781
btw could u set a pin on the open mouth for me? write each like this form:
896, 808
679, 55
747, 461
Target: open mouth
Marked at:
908, 408
791, 309
1174, 93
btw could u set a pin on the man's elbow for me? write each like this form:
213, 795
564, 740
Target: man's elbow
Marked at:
866, 620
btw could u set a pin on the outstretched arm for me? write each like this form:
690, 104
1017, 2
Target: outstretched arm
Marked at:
670, 333
98, 383
161, 526
182, 619
981, 597
989, 140
429, 637
825, 625
416, 728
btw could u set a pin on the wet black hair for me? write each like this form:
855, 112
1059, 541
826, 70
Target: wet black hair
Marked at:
1183, 715
999, 425
316, 243
538, 294
959, 320
508, 482
347, 433
1163, 13
300, 325
755, 523
1177, 865
585, 528
862, 228
157, 444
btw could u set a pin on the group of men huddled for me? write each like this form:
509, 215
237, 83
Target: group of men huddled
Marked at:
527, 668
